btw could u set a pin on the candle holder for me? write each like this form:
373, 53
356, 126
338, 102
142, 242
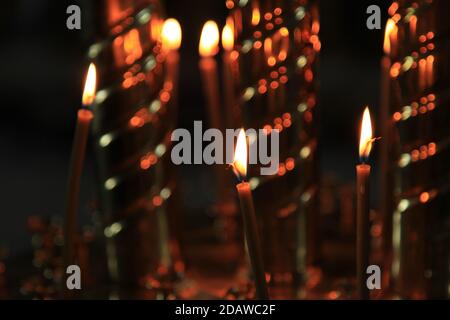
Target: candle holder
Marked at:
417, 150
276, 48
134, 116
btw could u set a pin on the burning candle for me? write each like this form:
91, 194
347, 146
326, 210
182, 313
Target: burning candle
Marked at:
84, 119
208, 48
228, 61
385, 181
362, 206
171, 40
249, 217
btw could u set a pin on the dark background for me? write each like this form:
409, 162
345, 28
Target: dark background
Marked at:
42, 65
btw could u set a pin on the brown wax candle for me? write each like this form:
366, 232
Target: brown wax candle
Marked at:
252, 239
363, 230
208, 69
73, 188
386, 175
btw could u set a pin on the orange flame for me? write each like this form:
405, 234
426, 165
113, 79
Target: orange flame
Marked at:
171, 35
90, 86
366, 140
391, 29
209, 39
256, 16
228, 37
240, 155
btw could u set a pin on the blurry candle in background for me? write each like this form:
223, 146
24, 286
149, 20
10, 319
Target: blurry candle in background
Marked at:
386, 123
363, 207
249, 217
422, 76
84, 119
171, 36
272, 85
208, 49
393, 36
413, 29
430, 71
229, 58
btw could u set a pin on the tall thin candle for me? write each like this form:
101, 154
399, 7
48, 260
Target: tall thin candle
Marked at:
249, 217
228, 61
363, 206
171, 36
208, 49
84, 119
386, 123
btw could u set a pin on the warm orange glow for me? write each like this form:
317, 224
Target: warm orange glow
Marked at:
366, 140
391, 29
209, 40
171, 35
90, 86
227, 38
156, 28
240, 155
393, 8
424, 197
413, 25
430, 70
256, 16
132, 46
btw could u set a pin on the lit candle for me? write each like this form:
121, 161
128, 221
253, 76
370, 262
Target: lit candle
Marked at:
171, 40
430, 71
249, 217
229, 59
208, 49
386, 123
362, 206
271, 62
84, 119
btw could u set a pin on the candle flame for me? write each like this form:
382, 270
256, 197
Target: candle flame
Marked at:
366, 140
389, 31
209, 39
256, 16
240, 155
227, 38
171, 35
90, 86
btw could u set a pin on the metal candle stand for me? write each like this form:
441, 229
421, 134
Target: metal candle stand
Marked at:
134, 117
417, 217
278, 46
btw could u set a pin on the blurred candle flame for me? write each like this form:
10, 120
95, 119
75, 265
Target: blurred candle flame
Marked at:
391, 29
209, 40
366, 140
171, 35
90, 86
227, 38
256, 16
240, 155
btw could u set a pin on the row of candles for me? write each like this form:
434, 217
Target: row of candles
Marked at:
208, 48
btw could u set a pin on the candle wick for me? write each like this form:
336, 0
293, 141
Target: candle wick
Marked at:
238, 175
